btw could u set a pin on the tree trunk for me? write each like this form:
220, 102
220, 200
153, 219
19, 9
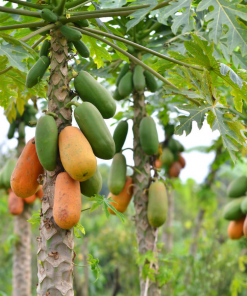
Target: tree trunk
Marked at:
167, 236
55, 245
146, 234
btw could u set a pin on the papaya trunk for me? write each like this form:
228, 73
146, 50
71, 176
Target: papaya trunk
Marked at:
55, 245
146, 234
167, 237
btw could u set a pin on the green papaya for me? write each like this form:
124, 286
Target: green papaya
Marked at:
117, 96
11, 130
38, 70
180, 147
149, 136
125, 86
120, 135
93, 185
48, 15
167, 157
175, 146
82, 49
70, 46
91, 91
237, 187
7, 172
27, 117
157, 204
45, 49
139, 78
244, 206
124, 70
169, 130
93, 126
150, 81
30, 109
21, 130
70, 34
232, 210
46, 138
117, 174
82, 23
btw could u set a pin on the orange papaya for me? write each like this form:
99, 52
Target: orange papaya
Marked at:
175, 169
15, 204
158, 163
30, 199
181, 160
39, 193
235, 229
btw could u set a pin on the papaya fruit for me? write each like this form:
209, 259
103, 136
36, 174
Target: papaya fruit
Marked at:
174, 169
82, 23
116, 95
167, 157
37, 71
70, 46
120, 134
169, 130
46, 138
67, 201
76, 154
232, 211
245, 227
7, 172
139, 79
91, 91
123, 199
181, 160
39, 193
93, 185
149, 136
27, 170
70, 34
82, 49
150, 81
30, 199
15, 204
125, 86
48, 15
174, 145
30, 109
27, 117
235, 229
124, 70
45, 48
11, 130
157, 204
117, 174
93, 126
21, 130
244, 206
237, 187
158, 164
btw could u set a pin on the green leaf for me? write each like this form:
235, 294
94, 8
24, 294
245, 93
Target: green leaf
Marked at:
35, 218
78, 228
94, 263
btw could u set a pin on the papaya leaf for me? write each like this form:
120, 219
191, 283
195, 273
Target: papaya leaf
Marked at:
6, 92
35, 218
94, 264
78, 229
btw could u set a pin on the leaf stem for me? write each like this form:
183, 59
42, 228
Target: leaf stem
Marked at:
134, 168
81, 265
20, 26
82, 4
20, 11
60, 8
28, 4
54, 115
86, 209
74, 3
128, 149
41, 30
72, 103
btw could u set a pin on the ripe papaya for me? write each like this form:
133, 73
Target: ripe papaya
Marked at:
11, 130
93, 185
117, 174
174, 169
82, 23
48, 15
21, 130
30, 199
167, 157
15, 204
123, 199
67, 201
70, 34
117, 96
82, 49
181, 160
46, 137
157, 204
158, 164
37, 71
91, 91
76, 154
120, 134
232, 211
235, 229
39, 193
27, 170
125, 86
7, 172
45, 48
245, 227
237, 187
150, 81
149, 136
124, 70
139, 78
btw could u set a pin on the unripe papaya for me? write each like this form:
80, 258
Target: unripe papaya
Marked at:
15, 204
123, 199
27, 170
124, 70
150, 81
157, 204
30, 199
93, 185
67, 201
45, 48
27, 117
167, 157
232, 211
91, 91
82, 23
7, 172
139, 78
174, 145
30, 109
39, 193
70, 34
82, 49
235, 229
169, 130
244, 206
76, 154
117, 96
46, 137
237, 187
11, 130
175, 169
120, 135
21, 130
181, 160
149, 136
48, 15
117, 174
37, 71
125, 86
93, 126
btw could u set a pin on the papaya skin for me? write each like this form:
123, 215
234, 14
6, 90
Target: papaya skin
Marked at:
67, 201
235, 229
175, 169
76, 154
15, 204
158, 164
123, 199
181, 160
27, 170
30, 199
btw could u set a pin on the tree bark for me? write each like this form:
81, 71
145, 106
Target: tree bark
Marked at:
55, 245
146, 234
167, 236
